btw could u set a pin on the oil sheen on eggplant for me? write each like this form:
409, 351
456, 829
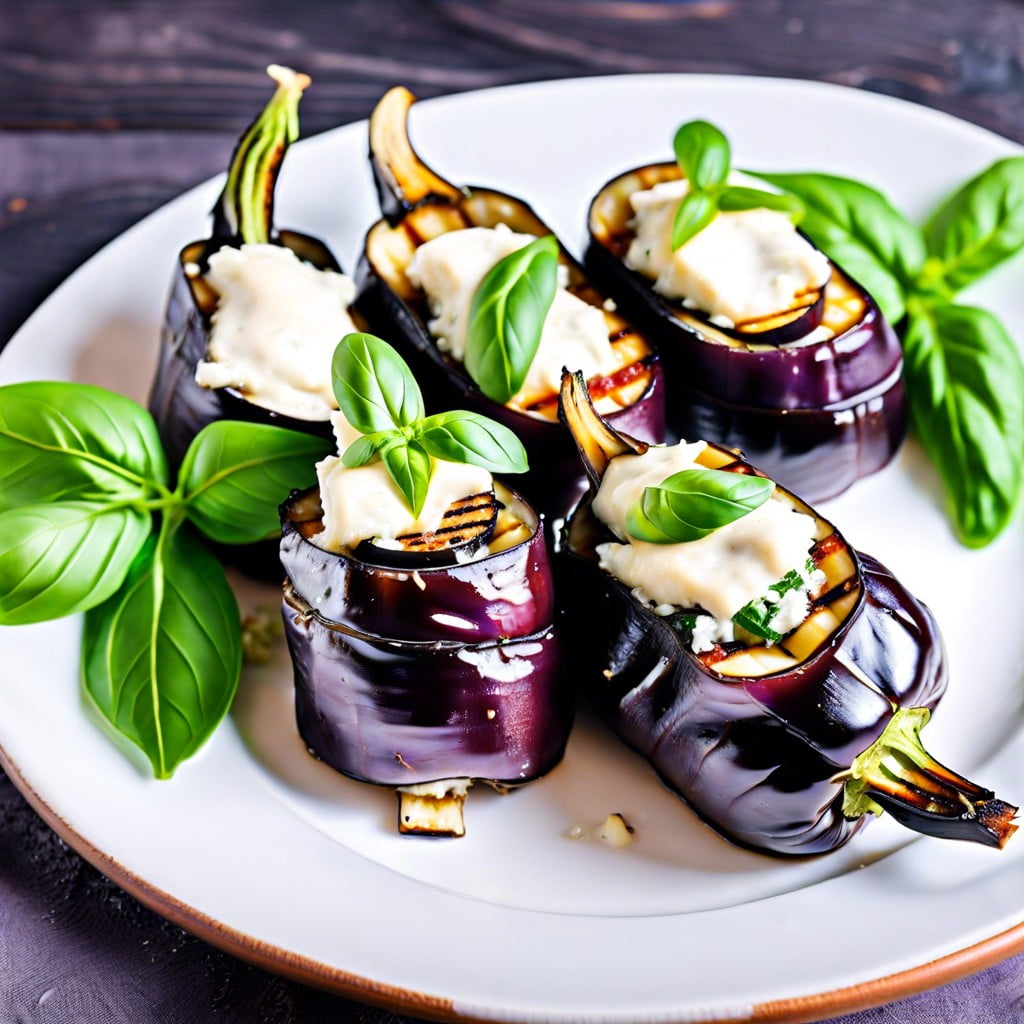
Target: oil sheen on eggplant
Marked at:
762, 756
408, 676
816, 417
418, 205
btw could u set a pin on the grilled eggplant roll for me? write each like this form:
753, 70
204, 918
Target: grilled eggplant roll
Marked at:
419, 207
254, 313
784, 745
811, 392
428, 663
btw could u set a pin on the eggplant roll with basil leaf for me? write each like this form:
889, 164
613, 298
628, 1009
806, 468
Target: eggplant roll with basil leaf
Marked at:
775, 678
768, 346
427, 260
422, 634
254, 313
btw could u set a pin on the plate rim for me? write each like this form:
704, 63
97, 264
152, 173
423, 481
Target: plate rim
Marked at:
300, 967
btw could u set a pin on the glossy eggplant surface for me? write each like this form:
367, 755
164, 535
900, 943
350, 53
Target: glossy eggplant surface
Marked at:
762, 739
816, 402
419, 205
408, 676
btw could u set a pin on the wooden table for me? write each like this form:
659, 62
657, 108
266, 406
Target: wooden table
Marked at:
109, 110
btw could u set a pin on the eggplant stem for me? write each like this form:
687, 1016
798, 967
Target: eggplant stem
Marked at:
896, 774
598, 443
403, 179
245, 209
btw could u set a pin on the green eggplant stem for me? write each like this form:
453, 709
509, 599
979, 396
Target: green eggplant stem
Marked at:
896, 774
245, 209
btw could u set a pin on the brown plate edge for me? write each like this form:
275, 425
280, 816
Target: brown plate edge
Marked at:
794, 1010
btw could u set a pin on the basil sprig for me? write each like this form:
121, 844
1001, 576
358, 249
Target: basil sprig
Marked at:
704, 156
689, 505
89, 521
506, 318
964, 375
380, 398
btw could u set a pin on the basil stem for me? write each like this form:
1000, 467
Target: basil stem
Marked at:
689, 505
245, 209
506, 318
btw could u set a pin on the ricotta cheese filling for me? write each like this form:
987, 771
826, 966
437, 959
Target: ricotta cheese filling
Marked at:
277, 323
363, 503
718, 574
744, 265
449, 269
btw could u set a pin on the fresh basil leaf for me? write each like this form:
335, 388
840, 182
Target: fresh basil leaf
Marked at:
693, 503
161, 658
965, 385
64, 557
374, 387
462, 436
740, 197
364, 449
409, 466
703, 154
235, 475
61, 441
857, 227
506, 318
696, 211
980, 225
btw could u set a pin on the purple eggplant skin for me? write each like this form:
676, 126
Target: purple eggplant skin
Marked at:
180, 406
555, 481
404, 677
844, 397
754, 757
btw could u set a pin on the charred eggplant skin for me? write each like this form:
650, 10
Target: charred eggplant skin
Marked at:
407, 677
755, 758
814, 417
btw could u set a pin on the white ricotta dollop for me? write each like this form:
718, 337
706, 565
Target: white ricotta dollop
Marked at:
277, 323
743, 265
449, 269
719, 573
363, 503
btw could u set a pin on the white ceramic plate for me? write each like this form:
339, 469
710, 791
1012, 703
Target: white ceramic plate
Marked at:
270, 854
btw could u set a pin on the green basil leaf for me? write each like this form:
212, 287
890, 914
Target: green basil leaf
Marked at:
364, 449
409, 466
235, 475
696, 211
506, 318
965, 385
857, 227
980, 225
462, 436
64, 557
374, 387
161, 658
703, 154
61, 441
689, 505
740, 197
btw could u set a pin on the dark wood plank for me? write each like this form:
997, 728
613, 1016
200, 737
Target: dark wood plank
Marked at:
196, 64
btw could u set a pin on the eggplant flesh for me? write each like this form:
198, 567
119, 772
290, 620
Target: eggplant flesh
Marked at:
407, 677
815, 415
419, 205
